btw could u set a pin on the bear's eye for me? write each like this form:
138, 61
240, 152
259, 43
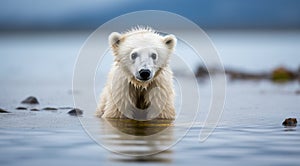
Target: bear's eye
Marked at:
134, 55
153, 56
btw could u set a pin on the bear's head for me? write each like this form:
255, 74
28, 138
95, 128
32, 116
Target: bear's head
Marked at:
142, 53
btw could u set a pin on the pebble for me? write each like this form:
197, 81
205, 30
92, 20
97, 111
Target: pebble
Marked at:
30, 100
34, 109
49, 109
21, 108
75, 112
3, 111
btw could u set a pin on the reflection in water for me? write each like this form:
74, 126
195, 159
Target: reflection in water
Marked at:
290, 128
139, 141
152, 158
140, 128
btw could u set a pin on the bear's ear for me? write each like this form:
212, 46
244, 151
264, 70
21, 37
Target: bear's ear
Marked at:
114, 39
170, 41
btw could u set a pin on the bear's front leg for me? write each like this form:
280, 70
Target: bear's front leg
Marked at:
162, 103
168, 113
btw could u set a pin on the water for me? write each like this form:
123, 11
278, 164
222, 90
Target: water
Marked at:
249, 132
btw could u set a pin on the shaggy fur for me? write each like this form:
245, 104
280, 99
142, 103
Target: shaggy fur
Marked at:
124, 96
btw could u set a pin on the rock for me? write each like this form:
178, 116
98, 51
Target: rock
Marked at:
290, 122
34, 109
3, 111
282, 74
298, 73
49, 109
297, 92
21, 108
201, 72
75, 112
30, 100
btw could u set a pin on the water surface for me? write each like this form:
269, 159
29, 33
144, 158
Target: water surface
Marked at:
249, 132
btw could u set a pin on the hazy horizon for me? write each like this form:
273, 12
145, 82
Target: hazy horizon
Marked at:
90, 14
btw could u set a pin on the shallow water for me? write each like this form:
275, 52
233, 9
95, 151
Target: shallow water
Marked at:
249, 132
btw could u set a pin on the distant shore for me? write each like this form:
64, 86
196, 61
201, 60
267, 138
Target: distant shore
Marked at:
278, 74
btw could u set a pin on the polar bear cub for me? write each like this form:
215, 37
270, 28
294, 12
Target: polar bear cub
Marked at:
140, 83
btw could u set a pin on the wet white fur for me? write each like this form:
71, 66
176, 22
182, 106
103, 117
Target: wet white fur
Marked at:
116, 95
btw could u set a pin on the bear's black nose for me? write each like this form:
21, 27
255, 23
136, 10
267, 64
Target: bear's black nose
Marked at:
145, 74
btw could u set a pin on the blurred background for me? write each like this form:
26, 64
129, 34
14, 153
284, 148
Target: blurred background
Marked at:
38, 37
208, 14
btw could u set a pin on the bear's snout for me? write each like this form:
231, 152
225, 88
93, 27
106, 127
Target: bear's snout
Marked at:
144, 74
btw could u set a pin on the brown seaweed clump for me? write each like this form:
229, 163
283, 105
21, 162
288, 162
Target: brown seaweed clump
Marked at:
282, 74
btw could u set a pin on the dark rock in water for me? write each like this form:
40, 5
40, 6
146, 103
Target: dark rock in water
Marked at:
298, 73
21, 108
34, 109
201, 72
50, 109
282, 74
75, 112
297, 92
3, 111
290, 122
30, 100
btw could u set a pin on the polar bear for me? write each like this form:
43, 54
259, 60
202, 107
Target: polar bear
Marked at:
140, 83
